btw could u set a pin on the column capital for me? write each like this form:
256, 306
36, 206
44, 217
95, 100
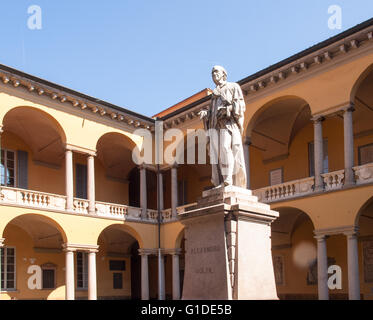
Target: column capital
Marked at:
71, 247
82, 150
348, 108
174, 165
172, 251
1, 128
321, 237
142, 166
147, 252
353, 232
335, 231
2, 242
317, 119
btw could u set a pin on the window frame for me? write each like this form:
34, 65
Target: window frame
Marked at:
282, 176
15, 159
359, 150
6, 289
311, 160
84, 268
49, 266
115, 273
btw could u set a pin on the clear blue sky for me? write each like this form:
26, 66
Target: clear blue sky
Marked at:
146, 55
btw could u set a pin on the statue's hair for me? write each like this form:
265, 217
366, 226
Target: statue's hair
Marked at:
221, 69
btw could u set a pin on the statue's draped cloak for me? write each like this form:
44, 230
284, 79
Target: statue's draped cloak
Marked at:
229, 94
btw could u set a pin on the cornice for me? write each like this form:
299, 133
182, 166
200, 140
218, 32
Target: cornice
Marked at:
69, 100
317, 61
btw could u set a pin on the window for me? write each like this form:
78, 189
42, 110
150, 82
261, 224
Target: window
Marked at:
182, 192
8, 268
117, 280
7, 168
275, 177
82, 270
81, 181
365, 154
48, 276
311, 157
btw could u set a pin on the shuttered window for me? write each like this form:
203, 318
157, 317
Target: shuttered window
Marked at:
22, 169
366, 154
81, 181
311, 157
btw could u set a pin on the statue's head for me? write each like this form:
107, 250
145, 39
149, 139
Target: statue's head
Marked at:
219, 75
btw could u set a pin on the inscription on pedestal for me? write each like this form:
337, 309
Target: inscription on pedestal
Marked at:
204, 250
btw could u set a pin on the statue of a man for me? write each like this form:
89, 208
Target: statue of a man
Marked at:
224, 123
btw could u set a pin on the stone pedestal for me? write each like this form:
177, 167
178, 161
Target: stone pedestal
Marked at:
228, 247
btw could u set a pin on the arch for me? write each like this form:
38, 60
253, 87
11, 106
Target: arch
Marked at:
356, 84
179, 238
254, 119
274, 126
21, 109
288, 210
40, 131
114, 150
40, 219
123, 228
368, 204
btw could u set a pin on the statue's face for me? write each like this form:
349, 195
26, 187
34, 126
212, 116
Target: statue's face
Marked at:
217, 76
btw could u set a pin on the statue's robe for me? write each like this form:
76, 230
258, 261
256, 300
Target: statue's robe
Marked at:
225, 148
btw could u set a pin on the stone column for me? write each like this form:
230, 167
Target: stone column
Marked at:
69, 273
322, 268
318, 153
348, 145
161, 278
91, 184
353, 266
174, 192
69, 179
246, 148
144, 274
160, 186
175, 274
143, 195
92, 278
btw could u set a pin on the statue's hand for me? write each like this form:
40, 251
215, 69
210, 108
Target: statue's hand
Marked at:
202, 114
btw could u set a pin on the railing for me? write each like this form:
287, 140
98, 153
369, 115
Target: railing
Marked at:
111, 210
364, 173
80, 205
48, 201
285, 190
181, 209
31, 198
288, 190
333, 180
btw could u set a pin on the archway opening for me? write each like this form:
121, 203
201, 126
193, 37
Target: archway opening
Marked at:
118, 264
32, 258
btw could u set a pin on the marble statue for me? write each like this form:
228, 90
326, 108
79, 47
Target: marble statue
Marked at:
223, 122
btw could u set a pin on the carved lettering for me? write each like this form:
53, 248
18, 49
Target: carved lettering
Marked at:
204, 250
